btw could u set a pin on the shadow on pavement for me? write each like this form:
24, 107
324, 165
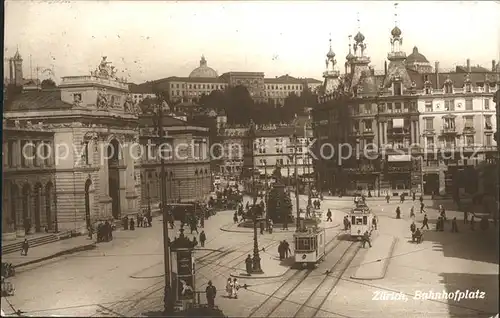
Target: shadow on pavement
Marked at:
480, 246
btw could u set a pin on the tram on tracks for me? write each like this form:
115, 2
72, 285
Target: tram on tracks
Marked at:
310, 245
361, 219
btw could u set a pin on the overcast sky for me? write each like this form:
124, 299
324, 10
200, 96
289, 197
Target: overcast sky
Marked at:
151, 40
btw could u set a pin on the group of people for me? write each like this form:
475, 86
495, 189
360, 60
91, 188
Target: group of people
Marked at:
232, 287
104, 231
284, 250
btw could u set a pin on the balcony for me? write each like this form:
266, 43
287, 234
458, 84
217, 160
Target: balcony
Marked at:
449, 131
469, 130
398, 131
398, 169
429, 132
396, 55
368, 132
488, 127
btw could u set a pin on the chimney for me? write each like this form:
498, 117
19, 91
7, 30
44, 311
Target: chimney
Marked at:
493, 65
436, 69
468, 65
385, 68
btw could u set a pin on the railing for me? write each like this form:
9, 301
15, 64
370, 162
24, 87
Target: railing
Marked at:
449, 130
469, 129
398, 131
396, 54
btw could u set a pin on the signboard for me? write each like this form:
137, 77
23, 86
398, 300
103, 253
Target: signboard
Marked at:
184, 263
185, 287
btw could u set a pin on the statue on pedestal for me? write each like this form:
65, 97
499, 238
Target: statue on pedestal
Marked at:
102, 100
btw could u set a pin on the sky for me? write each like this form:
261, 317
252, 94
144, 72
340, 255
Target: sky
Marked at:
148, 40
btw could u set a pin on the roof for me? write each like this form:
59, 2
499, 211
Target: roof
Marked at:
203, 70
37, 100
473, 69
280, 132
458, 79
416, 57
147, 120
284, 79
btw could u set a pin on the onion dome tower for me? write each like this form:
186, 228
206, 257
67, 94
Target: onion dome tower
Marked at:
359, 65
331, 74
349, 57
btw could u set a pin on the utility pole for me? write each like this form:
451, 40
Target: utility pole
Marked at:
166, 242
297, 202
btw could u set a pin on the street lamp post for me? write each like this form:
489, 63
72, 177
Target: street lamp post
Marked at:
256, 257
293, 139
265, 186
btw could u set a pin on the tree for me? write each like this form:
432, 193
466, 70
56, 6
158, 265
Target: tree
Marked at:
48, 83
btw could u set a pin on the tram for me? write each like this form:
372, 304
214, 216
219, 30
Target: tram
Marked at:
310, 244
361, 218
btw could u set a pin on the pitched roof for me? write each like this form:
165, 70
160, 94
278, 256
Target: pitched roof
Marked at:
284, 79
37, 100
168, 121
280, 132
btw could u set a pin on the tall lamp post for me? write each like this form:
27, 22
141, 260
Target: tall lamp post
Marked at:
293, 140
265, 186
256, 257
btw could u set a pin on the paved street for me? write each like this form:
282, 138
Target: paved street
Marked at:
124, 277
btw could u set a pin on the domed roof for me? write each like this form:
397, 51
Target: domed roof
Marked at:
330, 54
359, 37
203, 70
350, 56
415, 56
396, 32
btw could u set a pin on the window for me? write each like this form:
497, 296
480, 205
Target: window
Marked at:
468, 88
429, 123
486, 104
397, 89
469, 122
86, 159
428, 107
449, 123
355, 127
448, 88
427, 90
10, 153
487, 140
469, 140
368, 109
449, 105
468, 104
430, 142
397, 107
368, 125
487, 122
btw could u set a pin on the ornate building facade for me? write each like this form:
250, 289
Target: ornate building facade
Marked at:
96, 133
398, 138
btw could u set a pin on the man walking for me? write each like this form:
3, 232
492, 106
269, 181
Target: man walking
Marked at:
425, 222
366, 239
286, 249
454, 225
329, 216
25, 247
466, 217
203, 238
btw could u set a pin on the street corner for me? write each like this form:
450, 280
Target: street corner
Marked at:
231, 227
271, 265
374, 262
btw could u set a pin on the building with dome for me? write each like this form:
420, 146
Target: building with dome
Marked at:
204, 79
416, 61
203, 71
397, 122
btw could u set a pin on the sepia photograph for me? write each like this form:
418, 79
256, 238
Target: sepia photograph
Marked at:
250, 159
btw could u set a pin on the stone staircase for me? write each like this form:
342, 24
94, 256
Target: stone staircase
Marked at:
35, 241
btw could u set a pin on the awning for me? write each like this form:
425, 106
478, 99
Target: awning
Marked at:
398, 123
394, 158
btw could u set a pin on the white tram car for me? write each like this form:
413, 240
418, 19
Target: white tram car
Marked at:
309, 246
361, 218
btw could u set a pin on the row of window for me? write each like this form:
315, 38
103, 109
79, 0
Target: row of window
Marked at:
449, 89
36, 153
451, 142
449, 105
198, 86
449, 123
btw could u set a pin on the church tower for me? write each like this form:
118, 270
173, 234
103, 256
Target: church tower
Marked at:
359, 65
16, 69
331, 74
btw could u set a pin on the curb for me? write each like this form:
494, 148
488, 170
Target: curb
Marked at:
257, 276
395, 240
275, 231
66, 252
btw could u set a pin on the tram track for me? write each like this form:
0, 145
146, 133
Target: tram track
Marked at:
298, 298
279, 296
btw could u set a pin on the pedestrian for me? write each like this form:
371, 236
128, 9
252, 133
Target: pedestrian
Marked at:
203, 238
144, 222
210, 292
329, 216
248, 264
422, 207
270, 226
413, 227
374, 223
402, 198
281, 251
387, 198
229, 288
438, 224
106, 230
132, 224
398, 213
466, 219
25, 247
171, 220
454, 225
195, 241
236, 287
412, 212
421, 199
346, 223
472, 222
425, 222
285, 223
414, 196
99, 232
366, 239
139, 219
286, 248
235, 218
150, 220
261, 224
110, 232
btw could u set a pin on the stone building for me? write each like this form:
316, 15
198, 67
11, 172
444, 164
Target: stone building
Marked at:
29, 191
96, 165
